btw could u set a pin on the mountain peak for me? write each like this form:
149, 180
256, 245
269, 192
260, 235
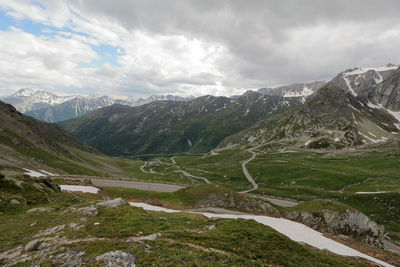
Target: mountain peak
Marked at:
25, 92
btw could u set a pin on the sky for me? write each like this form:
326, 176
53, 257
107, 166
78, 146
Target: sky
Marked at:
132, 48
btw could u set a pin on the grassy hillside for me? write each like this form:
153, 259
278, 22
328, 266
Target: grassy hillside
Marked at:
181, 239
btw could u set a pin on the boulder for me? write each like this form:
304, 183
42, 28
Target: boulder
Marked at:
90, 210
117, 258
15, 202
31, 246
70, 259
41, 209
113, 203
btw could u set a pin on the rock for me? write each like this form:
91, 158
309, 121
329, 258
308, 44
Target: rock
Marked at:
70, 259
113, 203
41, 209
151, 237
75, 226
14, 202
238, 202
31, 246
50, 231
211, 227
36, 265
118, 258
90, 210
86, 181
350, 223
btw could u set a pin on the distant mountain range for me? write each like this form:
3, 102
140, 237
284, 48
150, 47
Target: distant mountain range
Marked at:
50, 107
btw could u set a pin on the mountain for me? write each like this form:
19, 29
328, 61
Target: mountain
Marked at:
153, 98
49, 107
73, 108
332, 119
294, 90
30, 143
26, 131
27, 143
31, 99
193, 126
357, 80
385, 94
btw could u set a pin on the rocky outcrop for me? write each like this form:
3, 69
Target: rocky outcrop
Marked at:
113, 203
349, 223
89, 210
70, 259
238, 202
118, 258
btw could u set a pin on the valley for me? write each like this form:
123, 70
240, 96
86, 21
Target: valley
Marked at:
326, 159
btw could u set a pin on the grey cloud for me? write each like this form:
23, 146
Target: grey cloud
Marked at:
255, 31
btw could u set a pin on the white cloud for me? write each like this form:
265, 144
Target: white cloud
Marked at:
192, 47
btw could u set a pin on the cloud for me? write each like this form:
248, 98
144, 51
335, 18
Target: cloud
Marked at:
139, 48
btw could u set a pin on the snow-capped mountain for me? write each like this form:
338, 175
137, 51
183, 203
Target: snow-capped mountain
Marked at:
294, 90
153, 98
50, 107
358, 79
28, 99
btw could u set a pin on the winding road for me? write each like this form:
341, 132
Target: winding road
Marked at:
246, 172
192, 176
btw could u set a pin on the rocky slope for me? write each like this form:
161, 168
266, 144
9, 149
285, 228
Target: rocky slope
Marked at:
357, 80
331, 119
294, 90
385, 94
170, 126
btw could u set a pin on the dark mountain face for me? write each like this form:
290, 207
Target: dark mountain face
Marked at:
22, 130
357, 80
170, 126
385, 94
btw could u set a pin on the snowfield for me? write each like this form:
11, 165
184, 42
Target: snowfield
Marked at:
80, 188
296, 231
34, 173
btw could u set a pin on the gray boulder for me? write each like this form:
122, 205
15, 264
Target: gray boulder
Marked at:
113, 203
90, 210
15, 202
70, 259
33, 245
41, 209
118, 259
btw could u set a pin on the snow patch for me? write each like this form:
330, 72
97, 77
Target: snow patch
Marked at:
395, 114
305, 92
34, 173
80, 188
296, 231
